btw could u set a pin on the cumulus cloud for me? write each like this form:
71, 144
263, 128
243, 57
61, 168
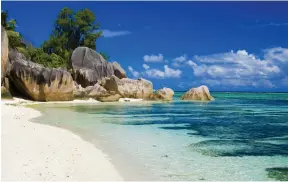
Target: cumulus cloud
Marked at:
109, 33
155, 73
181, 58
166, 73
277, 54
238, 64
177, 62
239, 68
133, 72
153, 58
191, 64
145, 66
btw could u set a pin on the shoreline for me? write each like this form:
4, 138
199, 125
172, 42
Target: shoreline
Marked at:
32, 151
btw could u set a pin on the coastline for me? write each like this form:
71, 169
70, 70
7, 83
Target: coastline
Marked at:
32, 151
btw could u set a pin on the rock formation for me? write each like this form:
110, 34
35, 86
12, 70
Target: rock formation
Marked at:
125, 87
4, 53
200, 94
96, 92
94, 78
165, 94
39, 83
118, 70
89, 67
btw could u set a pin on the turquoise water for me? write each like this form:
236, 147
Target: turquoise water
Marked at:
239, 136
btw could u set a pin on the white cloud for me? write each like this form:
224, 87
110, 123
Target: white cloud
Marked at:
133, 72
273, 24
175, 64
155, 73
234, 65
191, 63
277, 54
241, 68
166, 73
169, 72
153, 58
145, 66
178, 61
181, 58
109, 33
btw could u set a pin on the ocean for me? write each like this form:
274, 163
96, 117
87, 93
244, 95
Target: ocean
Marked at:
237, 137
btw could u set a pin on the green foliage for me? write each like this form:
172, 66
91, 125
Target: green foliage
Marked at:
15, 39
11, 24
104, 55
71, 30
24, 51
37, 55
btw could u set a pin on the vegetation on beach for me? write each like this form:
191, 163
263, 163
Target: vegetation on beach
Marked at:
71, 30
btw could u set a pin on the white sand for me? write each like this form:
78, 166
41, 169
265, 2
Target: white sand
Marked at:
32, 151
130, 100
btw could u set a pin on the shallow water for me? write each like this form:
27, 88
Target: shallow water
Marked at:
239, 136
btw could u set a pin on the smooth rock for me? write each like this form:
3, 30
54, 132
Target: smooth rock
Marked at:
199, 94
165, 94
118, 70
5, 93
78, 91
4, 53
89, 67
39, 83
128, 88
111, 98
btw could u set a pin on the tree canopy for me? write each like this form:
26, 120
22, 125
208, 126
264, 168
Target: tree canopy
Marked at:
15, 38
71, 30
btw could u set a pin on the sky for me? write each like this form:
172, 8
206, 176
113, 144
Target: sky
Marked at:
228, 46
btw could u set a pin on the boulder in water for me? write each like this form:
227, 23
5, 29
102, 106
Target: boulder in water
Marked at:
198, 94
128, 88
165, 94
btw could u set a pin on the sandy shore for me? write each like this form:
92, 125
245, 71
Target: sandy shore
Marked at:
32, 151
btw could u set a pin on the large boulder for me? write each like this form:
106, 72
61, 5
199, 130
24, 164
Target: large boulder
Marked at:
96, 92
39, 83
118, 70
165, 94
4, 53
78, 91
89, 67
128, 88
6, 90
199, 94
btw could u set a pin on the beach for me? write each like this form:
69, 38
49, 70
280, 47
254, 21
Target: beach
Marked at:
32, 151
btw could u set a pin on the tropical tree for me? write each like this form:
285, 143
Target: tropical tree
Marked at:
71, 30
15, 38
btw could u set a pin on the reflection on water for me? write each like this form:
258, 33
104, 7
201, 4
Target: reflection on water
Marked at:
235, 137
278, 173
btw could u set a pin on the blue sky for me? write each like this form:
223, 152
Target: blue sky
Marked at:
228, 46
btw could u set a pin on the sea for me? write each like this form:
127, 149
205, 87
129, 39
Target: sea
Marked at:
237, 137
